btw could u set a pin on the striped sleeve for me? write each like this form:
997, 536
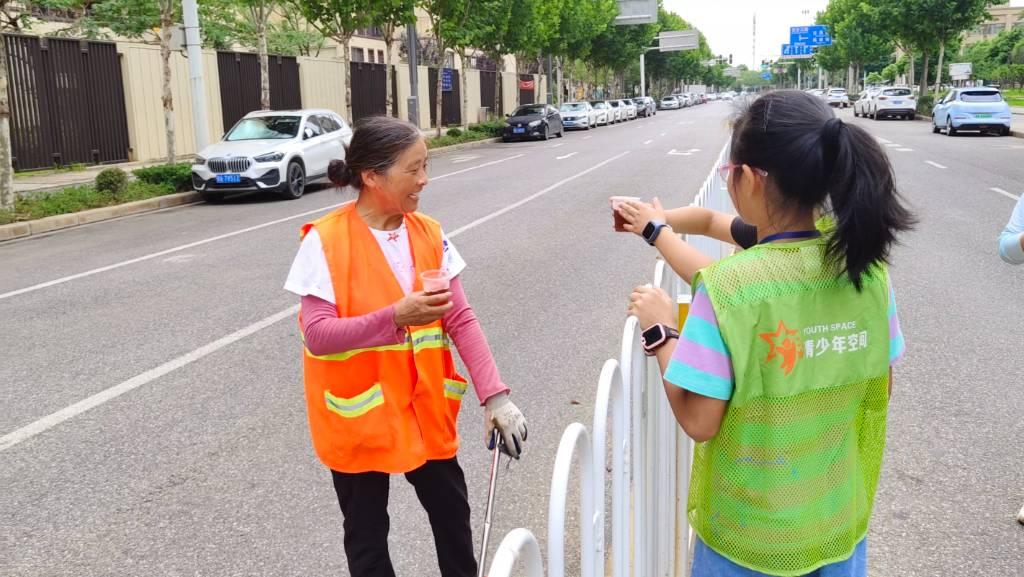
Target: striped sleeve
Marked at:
701, 362
897, 345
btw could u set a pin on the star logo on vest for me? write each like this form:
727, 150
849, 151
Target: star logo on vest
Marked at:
393, 237
784, 344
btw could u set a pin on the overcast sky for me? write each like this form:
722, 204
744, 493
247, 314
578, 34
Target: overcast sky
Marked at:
728, 24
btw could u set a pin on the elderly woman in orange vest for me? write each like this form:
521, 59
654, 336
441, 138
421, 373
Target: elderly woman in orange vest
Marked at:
382, 391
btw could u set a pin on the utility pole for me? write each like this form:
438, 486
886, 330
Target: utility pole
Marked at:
550, 101
753, 50
193, 44
413, 44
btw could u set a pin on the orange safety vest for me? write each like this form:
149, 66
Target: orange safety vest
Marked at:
389, 408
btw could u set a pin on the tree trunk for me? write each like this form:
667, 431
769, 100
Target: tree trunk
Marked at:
345, 55
166, 22
440, 93
261, 49
561, 87
464, 88
910, 73
498, 68
7, 195
388, 89
924, 76
938, 72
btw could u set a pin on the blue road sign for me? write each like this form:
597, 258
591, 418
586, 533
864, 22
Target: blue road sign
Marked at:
810, 35
793, 50
446, 79
766, 76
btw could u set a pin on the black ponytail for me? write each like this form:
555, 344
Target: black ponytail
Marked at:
815, 160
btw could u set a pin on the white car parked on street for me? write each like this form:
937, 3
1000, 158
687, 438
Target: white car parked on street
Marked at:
629, 107
578, 115
618, 110
280, 151
862, 107
603, 112
895, 101
669, 103
837, 97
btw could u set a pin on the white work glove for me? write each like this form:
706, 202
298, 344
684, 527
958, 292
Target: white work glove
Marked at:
501, 413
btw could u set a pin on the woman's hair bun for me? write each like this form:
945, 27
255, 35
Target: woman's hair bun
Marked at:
339, 172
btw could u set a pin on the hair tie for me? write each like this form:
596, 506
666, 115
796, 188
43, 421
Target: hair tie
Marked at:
830, 133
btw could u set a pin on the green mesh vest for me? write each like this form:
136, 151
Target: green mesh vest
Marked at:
787, 484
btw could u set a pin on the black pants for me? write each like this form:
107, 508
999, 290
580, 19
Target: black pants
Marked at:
441, 488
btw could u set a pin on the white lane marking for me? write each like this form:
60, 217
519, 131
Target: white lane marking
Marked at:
564, 157
893, 145
491, 163
935, 164
557, 145
496, 214
882, 140
685, 122
461, 159
181, 258
905, 150
675, 152
1004, 193
161, 253
648, 141
588, 137
52, 420
663, 134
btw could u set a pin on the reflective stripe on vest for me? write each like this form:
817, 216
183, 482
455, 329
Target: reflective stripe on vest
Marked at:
357, 405
454, 389
433, 338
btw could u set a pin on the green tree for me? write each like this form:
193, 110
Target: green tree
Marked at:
950, 18
338, 20
391, 15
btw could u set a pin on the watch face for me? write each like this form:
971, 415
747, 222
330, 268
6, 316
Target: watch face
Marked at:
653, 334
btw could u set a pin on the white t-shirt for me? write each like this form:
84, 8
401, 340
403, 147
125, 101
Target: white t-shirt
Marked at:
309, 274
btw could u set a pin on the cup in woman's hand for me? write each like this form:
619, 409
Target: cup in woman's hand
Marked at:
435, 281
617, 202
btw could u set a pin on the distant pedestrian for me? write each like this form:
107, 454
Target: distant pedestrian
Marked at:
782, 373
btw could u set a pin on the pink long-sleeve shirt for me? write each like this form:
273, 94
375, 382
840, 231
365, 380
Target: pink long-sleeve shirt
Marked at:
326, 334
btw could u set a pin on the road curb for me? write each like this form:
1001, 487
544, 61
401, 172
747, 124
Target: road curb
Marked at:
923, 118
61, 221
464, 145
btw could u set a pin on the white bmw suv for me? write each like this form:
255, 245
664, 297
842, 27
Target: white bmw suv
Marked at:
271, 150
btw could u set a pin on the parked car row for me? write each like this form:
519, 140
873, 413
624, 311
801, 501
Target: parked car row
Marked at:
543, 121
687, 99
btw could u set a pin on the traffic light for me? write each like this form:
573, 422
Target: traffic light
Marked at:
730, 60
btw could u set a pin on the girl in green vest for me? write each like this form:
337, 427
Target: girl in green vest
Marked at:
782, 372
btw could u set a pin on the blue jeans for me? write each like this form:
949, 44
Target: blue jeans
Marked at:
708, 563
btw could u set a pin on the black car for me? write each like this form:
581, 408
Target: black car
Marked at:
533, 121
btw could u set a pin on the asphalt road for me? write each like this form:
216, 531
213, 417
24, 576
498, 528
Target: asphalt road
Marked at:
194, 458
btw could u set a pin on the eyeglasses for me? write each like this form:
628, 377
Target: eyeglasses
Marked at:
725, 169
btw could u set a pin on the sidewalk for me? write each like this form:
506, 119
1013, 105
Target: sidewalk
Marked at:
1017, 122
28, 183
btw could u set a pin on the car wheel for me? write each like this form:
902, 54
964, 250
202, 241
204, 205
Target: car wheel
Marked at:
874, 115
561, 132
950, 131
1005, 131
295, 181
935, 127
505, 139
544, 135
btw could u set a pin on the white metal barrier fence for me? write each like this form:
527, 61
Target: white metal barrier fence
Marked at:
650, 457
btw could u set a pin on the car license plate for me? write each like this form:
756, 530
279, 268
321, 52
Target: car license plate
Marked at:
518, 130
897, 102
229, 178
983, 116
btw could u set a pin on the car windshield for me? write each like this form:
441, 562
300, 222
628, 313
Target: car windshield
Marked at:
573, 106
897, 92
614, 103
265, 128
599, 104
981, 96
668, 99
529, 110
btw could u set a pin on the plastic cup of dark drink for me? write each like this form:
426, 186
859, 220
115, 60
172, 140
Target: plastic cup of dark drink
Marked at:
435, 281
616, 202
